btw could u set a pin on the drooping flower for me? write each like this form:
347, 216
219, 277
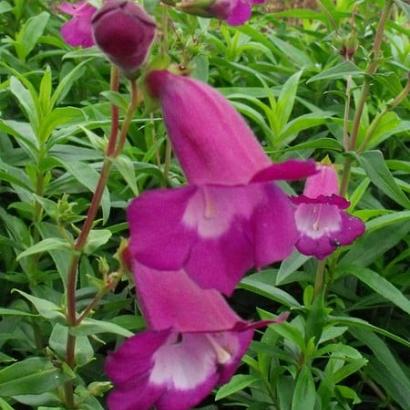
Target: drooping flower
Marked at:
77, 32
234, 12
231, 217
124, 32
322, 223
194, 342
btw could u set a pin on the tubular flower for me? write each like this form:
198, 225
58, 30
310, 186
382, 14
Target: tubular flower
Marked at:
77, 32
231, 217
194, 342
322, 223
234, 12
124, 32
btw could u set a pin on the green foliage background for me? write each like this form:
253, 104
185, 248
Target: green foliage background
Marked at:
285, 73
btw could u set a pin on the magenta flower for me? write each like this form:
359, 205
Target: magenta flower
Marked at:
124, 32
77, 32
234, 12
195, 342
322, 223
232, 217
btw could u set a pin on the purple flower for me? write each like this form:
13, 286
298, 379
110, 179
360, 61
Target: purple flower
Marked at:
77, 32
195, 342
124, 32
322, 223
234, 12
232, 217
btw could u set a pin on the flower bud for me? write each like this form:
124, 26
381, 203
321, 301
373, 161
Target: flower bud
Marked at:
124, 32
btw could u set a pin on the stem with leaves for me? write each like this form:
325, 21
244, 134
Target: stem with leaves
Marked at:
114, 149
364, 94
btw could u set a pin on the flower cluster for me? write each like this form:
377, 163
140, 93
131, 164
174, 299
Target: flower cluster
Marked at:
191, 245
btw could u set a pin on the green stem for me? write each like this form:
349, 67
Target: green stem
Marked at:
371, 70
320, 278
128, 118
167, 163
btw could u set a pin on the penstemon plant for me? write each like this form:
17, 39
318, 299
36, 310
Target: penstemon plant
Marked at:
140, 214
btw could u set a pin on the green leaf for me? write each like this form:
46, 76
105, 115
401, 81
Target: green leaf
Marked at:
298, 56
57, 118
381, 286
126, 168
362, 254
30, 33
255, 285
376, 168
339, 71
14, 312
362, 324
49, 244
26, 101
88, 177
30, 376
404, 6
320, 143
3, 404
5, 7
84, 352
96, 239
45, 91
386, 220
348, 370
294, 127
237, 383
91, 326
304, 396
392, 367
67, 82
291, 264
45, 308
286, 99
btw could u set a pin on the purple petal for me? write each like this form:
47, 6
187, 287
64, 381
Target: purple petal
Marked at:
290, 170
129, 368
216, 233
323, 226
171, 371
171, 299
351, 229
337, 200
241, 13
223, 250
72, 8
77, 32
273, 225
325, 182
158, 238
224, 151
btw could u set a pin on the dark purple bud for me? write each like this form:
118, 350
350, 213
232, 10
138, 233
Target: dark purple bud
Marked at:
124, 32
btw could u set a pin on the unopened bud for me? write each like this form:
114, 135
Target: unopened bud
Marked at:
124, 32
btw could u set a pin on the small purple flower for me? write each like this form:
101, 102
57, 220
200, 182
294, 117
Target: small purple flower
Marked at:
194, 342
232, 217
234, 12
77, 32
124, 32
322, 223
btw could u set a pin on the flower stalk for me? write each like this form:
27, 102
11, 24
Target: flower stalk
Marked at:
113, 150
